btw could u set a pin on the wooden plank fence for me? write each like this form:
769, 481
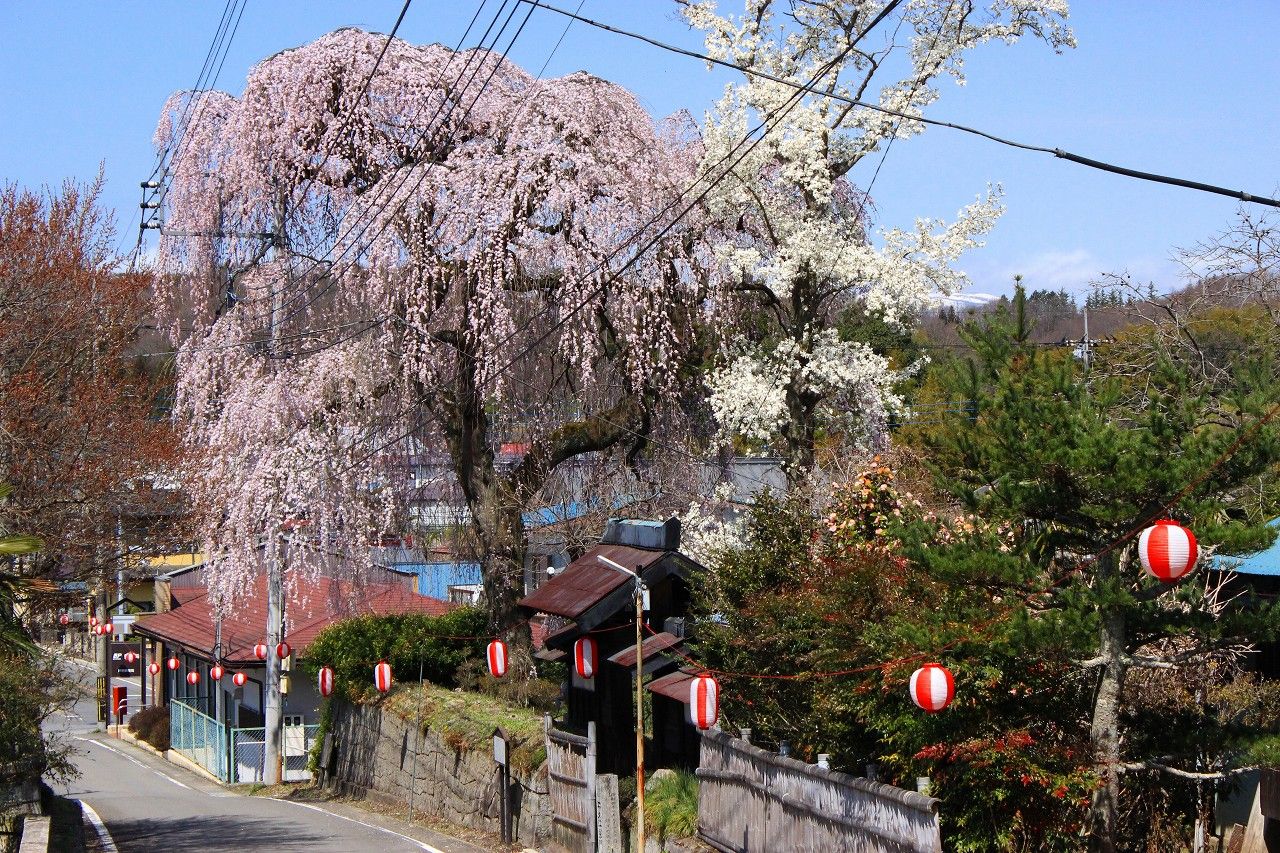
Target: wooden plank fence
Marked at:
571, 784
751, 801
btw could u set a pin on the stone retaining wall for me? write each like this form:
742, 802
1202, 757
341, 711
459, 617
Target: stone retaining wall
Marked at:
374, 754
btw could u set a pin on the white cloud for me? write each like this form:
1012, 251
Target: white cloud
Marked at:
1072, 270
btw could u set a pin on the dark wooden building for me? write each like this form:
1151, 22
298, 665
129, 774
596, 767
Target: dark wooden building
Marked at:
592, 598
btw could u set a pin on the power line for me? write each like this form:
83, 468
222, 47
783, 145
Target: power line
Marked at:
1241, 195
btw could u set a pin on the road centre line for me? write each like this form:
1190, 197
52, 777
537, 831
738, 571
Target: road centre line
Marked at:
128, 757
422, 844
106, 843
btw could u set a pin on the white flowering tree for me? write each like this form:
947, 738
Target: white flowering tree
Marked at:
794, 247
452, 262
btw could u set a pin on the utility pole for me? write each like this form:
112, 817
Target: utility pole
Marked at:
274, 711
639, 602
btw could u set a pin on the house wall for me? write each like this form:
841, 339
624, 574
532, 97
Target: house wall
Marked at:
375, 757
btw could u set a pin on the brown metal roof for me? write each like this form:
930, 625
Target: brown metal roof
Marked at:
652, 645
191, 626
586, 581
673, 686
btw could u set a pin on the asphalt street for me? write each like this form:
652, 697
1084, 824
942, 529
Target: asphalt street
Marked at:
148, 804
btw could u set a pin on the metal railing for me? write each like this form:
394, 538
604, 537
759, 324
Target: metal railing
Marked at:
198, 737
236, 755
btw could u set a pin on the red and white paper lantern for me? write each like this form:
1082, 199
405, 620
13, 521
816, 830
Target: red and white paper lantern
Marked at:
193, 678
585, 653
93, 620
97, 630
497, 658
704, 701
153, 668
382, 676
130, 657
932, 687
326, 681
1167, 550
174, 663
108, 628
64, 619
283, 650
239, 679
260, 651
216, 672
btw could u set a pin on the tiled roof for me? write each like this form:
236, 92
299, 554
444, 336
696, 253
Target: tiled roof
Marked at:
326, 601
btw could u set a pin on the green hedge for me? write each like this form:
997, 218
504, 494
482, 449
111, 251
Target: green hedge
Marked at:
353, 646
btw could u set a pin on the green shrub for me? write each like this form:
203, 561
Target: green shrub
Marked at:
441, 643
671, 806
152, 725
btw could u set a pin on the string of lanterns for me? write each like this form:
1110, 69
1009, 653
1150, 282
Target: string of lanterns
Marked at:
1167, 551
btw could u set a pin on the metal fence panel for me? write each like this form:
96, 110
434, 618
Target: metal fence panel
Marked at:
248, 750
199, 738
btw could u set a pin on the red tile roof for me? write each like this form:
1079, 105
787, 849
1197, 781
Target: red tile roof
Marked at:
191, 626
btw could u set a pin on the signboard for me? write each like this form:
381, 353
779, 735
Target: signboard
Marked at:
120, 669
500, 749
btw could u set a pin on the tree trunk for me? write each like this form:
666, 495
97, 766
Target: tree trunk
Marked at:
1104, 733
800, 434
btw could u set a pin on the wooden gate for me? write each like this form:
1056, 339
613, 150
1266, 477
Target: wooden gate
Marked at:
571, 783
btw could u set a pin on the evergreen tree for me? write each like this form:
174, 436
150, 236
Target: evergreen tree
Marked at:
1080, 462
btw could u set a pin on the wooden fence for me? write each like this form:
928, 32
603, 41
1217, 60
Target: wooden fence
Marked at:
752, 801
571, 784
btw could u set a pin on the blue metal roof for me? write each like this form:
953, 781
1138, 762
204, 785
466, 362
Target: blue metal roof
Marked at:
1265, 562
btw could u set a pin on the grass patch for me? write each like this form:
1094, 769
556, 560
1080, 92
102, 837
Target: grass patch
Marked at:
671, 806
466, 720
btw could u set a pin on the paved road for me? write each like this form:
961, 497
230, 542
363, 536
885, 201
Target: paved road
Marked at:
148, 804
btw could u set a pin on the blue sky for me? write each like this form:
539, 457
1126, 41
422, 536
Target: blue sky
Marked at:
1180, 87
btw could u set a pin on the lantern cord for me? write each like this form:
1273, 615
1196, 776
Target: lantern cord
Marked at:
981, 629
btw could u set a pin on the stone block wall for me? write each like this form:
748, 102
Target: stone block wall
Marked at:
374, 755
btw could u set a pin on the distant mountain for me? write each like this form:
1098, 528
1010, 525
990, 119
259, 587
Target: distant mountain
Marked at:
968, 300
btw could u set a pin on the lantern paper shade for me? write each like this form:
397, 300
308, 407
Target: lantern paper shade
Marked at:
283, 650
260, 651
153, 668
584, 657
326, 681
193, 678
216, 672
64, 619
173, 663
932, 687
239, 679
382, 676
93, 620
1167, 550
130, 657
704, 701
497, 658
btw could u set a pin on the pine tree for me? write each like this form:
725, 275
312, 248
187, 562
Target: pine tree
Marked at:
1080, 462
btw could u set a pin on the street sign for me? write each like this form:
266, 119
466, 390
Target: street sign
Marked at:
119, 667
500, 749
